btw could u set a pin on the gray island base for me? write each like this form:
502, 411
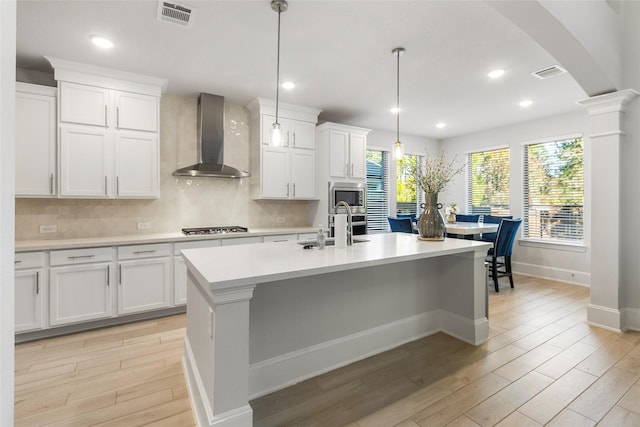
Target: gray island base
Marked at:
262, 317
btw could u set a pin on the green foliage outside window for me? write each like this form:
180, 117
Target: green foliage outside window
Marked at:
406, 185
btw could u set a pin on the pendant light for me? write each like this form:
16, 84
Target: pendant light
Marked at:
398, 147
276, 131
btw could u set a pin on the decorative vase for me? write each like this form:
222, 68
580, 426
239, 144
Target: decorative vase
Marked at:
451, 218
431, 224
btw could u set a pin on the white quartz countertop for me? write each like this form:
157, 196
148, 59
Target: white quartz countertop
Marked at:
140, 239
232, 266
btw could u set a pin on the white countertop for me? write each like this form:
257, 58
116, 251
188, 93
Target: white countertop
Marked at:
140, 239
231, 266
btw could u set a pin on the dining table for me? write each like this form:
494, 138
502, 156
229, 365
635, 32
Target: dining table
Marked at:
463, 229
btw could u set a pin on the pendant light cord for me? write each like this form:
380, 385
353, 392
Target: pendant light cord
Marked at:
398, 98
278, 67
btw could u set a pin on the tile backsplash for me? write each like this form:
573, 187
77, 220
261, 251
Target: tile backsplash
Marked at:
183, 202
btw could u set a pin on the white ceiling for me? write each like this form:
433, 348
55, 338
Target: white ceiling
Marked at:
338, 53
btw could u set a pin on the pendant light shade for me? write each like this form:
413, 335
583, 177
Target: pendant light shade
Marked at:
275, 138
398, 147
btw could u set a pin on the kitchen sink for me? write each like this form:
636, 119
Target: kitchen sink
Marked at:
329, 242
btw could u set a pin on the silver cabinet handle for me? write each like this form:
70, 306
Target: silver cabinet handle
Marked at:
287, 138
105, 185
17, 262
294, 138
294, 189
346, 169
118, 117
51, 184
120, 274
108, 275
287, 189
80, 257
118, 185
352, 169
153, 251
106, 121
37, 282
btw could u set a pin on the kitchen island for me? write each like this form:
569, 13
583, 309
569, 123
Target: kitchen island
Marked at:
262, 317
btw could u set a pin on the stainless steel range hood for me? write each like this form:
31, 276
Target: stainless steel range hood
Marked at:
211, 142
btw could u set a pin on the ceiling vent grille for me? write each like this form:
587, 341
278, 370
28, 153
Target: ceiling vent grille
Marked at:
545, 73
175, 13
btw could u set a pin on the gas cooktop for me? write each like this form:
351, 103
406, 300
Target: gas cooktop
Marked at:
215, 230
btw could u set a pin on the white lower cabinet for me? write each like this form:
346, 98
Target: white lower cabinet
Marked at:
144, 279
29, 289
78, 293
179, 281
143, 285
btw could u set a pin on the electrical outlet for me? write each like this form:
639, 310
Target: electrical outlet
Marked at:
210, 322
280, 220
144, 226
48, 228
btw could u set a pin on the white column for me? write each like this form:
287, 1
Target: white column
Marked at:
605, 136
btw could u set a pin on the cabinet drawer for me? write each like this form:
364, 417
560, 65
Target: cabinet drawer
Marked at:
194, 245
144, 251
240, 241
29, 260
309, 236
281, 238
81, 256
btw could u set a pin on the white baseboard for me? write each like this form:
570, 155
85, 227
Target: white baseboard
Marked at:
282, 371
606, 317
632, 318
464, 329
552, 273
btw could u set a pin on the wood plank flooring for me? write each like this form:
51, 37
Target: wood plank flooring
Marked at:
543, 365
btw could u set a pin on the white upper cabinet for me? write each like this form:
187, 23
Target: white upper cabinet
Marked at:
343, 152
35, 148
288, 171
109, 132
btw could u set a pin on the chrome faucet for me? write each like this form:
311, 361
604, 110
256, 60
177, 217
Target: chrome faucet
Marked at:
349, 220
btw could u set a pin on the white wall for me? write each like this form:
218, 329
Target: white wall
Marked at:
629, 168
7, 178
549, 261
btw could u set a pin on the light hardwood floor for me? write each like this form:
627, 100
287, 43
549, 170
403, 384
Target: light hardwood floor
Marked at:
543, 365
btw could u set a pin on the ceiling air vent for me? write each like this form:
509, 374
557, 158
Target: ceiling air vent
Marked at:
175, 13
545, 73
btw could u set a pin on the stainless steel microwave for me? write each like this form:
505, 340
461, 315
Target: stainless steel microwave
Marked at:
354, 193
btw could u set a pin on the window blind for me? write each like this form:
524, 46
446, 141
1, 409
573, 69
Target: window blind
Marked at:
488, 182
377, 190
553, 190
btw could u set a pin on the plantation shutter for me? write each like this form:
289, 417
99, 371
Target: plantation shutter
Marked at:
377, 190
553, 190
488, 182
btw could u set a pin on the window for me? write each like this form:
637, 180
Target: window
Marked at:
377, 190
553, 190
488, 182
407, 195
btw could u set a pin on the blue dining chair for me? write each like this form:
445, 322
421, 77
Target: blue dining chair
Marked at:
412, 217
490, 219
467, 218
400, 225
498, 258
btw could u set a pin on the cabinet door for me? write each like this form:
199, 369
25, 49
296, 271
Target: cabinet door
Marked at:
82, 104
136, 112
137, 158
28, 300
143, 285
338, 154
303, 174
79, 293
303, 134
357, 156
84, 160
275, 172
179, 281
35, 144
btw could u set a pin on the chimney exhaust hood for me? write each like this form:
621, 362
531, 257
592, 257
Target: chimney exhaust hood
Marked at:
211, 142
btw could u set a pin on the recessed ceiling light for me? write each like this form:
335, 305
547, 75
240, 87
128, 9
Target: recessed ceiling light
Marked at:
288, 85
395, 110
496, 73
526, 103
101, 42
441, 125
